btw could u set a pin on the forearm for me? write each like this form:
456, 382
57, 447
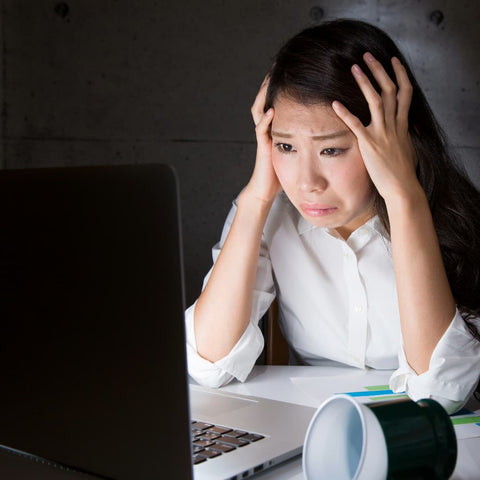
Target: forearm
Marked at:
223, 309
425, 299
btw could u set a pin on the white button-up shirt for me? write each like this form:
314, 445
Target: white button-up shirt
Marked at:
338, 301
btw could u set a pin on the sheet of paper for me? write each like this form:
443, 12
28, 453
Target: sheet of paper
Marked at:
321, 388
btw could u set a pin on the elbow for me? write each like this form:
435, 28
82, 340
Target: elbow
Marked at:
450, 406
211, 381
451, 393
453, 371
451, 396
209, 375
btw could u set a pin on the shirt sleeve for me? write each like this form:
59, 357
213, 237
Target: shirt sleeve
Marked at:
453, 372
241, 359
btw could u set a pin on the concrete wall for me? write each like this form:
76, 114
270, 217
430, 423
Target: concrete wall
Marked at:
89, 82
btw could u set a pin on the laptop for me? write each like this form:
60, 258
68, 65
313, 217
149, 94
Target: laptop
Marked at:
92, 343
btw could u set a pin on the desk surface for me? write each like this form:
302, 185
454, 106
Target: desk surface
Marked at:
298, 385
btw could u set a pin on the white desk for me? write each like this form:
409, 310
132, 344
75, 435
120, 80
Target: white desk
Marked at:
289, 384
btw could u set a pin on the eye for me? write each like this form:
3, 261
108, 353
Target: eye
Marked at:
331, 152
285, 147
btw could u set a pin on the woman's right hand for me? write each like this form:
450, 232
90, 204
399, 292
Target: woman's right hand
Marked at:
263, 184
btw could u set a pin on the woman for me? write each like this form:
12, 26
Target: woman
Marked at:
356, 219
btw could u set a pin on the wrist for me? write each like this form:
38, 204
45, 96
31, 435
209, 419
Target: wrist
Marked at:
406, 199
251, 200
408, 209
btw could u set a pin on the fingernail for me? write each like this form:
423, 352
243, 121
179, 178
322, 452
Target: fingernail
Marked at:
336, 105
369, 57
356, 69
269, 112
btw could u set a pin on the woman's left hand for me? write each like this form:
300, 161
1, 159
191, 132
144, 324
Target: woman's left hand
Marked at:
385, 144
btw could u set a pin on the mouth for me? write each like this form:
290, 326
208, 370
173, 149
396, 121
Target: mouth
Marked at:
316, 210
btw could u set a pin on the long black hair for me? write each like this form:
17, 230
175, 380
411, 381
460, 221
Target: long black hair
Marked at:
314, 67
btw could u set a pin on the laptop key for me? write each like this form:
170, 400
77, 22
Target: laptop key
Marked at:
221, 447
208, 436
201, 425
236, 442
197, 449
203, 443
235, 433
210, 453
219, 430
253, 437
198, 459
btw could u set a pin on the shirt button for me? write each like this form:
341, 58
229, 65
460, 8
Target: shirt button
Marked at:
346, 255
358, 308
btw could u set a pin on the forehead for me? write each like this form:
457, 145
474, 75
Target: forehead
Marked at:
292, 116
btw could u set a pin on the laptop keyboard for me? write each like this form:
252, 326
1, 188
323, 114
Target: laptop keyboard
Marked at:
210, 441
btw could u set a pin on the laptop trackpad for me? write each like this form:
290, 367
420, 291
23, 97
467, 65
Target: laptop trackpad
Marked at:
210, 403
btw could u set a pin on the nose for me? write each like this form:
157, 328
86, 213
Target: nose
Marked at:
310, 177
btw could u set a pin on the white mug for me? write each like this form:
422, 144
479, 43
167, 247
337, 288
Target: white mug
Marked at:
347, 440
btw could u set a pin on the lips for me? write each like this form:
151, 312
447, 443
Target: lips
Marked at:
317, 210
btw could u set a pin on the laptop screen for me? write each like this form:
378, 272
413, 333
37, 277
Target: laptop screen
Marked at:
91, 308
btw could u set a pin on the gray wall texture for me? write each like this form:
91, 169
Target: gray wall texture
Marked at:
89, 82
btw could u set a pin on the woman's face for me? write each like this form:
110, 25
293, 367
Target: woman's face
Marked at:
318, 163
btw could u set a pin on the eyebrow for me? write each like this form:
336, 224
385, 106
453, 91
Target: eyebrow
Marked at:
328, 136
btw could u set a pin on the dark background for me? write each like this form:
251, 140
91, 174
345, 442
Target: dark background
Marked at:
91, 82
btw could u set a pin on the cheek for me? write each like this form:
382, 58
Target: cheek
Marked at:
354, 179
283, 171
363, 185
362, 176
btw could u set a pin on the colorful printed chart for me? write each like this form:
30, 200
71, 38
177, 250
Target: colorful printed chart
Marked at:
465, 422
376, 393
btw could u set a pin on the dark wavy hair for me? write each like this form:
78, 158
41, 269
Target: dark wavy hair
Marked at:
314, 67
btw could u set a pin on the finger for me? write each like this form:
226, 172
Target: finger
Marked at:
404, 95
266, 79
388, 87
350, 120
263, 126
374, 100
258, 106
262, 129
